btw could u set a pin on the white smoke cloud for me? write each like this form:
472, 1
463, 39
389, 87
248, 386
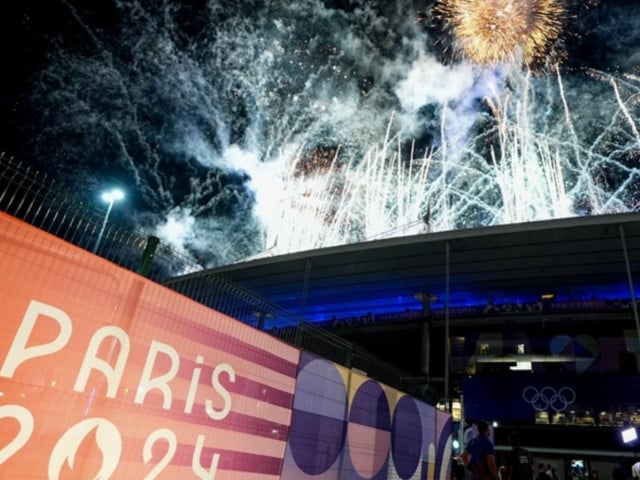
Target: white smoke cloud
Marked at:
266, 180
454, 89
429, 81
177, 229
195, 146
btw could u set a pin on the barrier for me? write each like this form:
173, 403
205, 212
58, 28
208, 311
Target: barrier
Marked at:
107, 375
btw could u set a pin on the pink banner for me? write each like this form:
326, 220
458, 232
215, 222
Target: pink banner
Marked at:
104, 374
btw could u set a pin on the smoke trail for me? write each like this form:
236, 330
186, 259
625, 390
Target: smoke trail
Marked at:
244, 126
160, 96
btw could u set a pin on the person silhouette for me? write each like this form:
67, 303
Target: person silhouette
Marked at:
480, 455
518, 461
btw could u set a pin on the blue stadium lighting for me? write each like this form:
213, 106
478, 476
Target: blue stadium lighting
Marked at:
398, 304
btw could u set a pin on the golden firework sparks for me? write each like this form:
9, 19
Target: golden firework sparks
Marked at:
496, 31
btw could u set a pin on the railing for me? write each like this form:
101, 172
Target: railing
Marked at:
221, 294
232, 299
42, 202
332, 347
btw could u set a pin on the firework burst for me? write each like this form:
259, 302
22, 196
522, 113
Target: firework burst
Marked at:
488, 32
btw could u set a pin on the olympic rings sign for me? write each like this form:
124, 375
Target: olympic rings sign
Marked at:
548, 397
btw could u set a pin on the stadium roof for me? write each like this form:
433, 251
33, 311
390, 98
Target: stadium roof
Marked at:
573, 259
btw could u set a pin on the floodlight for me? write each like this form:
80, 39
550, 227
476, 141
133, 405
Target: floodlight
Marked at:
629, 435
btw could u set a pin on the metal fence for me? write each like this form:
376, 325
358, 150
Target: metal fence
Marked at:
234, 300
332, 347
46, 204
221, 294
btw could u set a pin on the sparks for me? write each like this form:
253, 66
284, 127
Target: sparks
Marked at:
502, 31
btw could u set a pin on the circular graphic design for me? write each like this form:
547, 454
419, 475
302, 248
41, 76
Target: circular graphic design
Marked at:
369, 434
318, 429
406, 437
549, 397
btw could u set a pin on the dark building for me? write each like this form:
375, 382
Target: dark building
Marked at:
540, 318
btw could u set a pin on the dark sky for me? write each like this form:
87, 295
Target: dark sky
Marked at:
600, 34
171, 100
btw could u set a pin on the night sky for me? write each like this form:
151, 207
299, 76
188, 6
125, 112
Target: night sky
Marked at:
197, 110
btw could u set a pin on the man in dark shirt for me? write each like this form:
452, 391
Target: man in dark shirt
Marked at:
480, 455
518, 462
619, 470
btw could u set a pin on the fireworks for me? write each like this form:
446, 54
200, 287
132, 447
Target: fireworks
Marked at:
496, 31
538, 168
252, 138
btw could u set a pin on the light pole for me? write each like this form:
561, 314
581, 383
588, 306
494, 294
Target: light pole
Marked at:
110, 197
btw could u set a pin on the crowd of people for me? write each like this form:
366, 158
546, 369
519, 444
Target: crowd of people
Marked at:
479, 461
626, 470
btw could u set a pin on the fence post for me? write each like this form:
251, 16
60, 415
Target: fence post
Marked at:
147, 255
348, 356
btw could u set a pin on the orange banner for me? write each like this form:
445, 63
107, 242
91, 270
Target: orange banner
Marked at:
106, 375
